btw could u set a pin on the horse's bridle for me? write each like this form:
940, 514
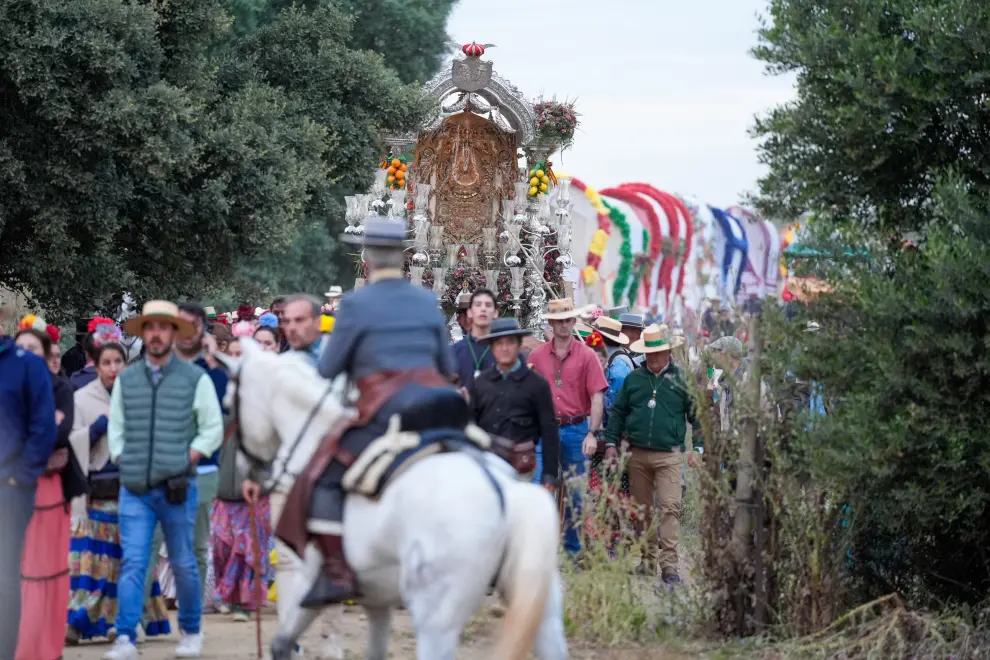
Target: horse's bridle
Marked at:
256, 461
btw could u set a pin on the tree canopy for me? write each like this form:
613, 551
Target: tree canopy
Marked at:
155, 149
889, 134
890, 94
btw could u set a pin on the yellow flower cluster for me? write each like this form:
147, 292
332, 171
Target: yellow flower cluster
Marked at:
590, 275
598, 243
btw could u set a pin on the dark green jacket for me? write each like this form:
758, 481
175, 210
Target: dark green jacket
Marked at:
661, 427
159, 422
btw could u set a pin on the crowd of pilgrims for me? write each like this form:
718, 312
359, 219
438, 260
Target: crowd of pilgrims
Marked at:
560, 397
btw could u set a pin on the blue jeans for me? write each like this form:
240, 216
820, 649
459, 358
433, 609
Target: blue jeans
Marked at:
573, 463
139, 514
16, 509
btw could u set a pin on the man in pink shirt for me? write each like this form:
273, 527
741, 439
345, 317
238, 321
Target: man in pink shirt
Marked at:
578, 384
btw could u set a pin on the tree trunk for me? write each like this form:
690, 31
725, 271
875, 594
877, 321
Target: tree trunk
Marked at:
742, 528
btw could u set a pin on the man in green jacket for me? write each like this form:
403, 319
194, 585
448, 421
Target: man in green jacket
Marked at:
651, 413
164, 418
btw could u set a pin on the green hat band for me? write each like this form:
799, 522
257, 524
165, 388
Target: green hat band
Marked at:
655, 343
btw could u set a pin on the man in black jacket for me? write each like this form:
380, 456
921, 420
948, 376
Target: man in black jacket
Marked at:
514, 402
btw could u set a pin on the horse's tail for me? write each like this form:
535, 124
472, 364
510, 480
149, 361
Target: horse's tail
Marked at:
529, 567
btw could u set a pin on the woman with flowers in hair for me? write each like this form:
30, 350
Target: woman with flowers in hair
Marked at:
99, 331
95, 551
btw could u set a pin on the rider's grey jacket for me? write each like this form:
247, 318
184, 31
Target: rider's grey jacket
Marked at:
388, 325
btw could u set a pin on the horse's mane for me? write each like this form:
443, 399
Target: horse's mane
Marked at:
293, 375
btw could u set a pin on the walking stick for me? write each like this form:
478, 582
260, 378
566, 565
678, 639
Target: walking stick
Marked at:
256, 547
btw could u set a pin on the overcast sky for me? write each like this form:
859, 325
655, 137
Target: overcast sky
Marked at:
666, 90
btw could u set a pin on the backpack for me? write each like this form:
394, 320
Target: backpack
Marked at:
620, 354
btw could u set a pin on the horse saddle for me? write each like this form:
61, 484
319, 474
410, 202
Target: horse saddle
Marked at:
423, 408
434, 420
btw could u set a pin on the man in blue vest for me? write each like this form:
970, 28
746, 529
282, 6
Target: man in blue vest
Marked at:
164, 419
27, 438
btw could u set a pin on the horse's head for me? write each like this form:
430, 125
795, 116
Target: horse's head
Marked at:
249, 398
283, 407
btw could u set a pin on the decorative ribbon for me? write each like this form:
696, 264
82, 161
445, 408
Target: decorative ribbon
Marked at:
669, 260
654, 343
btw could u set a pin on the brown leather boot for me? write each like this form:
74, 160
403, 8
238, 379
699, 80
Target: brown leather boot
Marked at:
337, 582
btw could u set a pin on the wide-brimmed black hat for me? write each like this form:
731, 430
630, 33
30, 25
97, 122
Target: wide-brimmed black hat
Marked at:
380, 232
507, 327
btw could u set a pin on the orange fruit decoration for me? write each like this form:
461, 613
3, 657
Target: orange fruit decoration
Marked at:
396, 162
400, 175
404, 167
402, 183
390, 179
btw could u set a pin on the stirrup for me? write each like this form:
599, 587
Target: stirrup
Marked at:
325, 591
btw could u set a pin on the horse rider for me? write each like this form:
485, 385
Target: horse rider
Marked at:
391, 340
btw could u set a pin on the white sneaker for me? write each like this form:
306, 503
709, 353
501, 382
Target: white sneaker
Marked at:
122, 649
190, 646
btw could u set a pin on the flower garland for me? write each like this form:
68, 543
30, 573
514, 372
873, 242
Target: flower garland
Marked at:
596, 250
652, 222
624, 271
556, 122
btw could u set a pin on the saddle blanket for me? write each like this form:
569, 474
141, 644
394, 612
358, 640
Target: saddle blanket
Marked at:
393, 453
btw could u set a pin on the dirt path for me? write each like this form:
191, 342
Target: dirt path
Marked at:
227, 640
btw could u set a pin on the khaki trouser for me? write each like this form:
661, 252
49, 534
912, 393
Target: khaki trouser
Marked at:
288, 570
655, 480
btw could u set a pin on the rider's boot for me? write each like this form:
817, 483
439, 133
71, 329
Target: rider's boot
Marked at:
337, 581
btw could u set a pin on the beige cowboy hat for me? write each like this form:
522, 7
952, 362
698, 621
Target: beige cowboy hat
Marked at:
611, 330
334, 292
563, 309
159, 310
656, 339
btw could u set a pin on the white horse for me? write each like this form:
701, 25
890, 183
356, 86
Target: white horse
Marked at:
435, 540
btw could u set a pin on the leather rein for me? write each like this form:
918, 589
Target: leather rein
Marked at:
256, 461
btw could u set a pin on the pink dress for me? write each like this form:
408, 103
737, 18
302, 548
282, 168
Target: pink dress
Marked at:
45, 575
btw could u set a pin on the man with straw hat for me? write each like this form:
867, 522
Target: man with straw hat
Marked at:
510, 401
619, 362
164, 418
651, 411
390, 339
578, 386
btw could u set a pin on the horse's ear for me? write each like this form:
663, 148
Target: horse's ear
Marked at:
249, 347
231, 364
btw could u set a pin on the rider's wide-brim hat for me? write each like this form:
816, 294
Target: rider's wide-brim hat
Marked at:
563, 309
656, 339
506, 327
380, 232
334, 292
611, 330
159, 310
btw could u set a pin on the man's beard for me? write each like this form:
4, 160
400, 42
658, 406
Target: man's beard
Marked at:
195, 348
159, 349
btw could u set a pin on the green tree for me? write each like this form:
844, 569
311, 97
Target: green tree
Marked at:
356, 98
122, 166
151, 149
410, 34
889, 93
888, 134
